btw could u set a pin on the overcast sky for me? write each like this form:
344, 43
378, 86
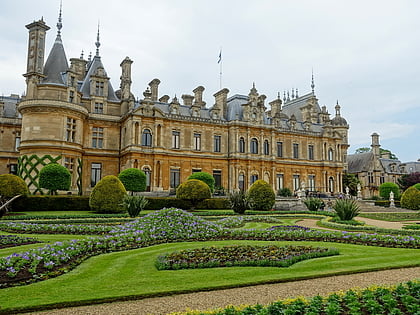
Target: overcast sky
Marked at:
364, 53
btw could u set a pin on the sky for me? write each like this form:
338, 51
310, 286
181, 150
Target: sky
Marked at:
363, 53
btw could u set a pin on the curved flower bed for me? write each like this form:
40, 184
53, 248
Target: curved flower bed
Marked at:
13, 240
240, 255
39, 228
169, 225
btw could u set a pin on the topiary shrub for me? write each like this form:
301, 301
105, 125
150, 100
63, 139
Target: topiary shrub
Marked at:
107, 195
133, 179
205, 177
261, 196
193, 190
239, 201
346, 209
313, 204
284, 192
410, 199
54, 177
417, 186
386, 188
10, 186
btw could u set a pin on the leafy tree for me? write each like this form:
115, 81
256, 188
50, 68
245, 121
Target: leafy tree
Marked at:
205, 177
11, 186
193, 190
351, 181
107, 196
362, 150
54, 177
133, 179
408, 180
381, 151
261, 195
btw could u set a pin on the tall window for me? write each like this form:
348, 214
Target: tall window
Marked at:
311, 152
71, 96
71, 129
295, 150
330, 154
279, 149
99, 88
254, 178
217, 174
99, 108
241, 145
174, 177
147, 172
280, 183
331, 184
311, 182
217, 143
254, 146
17, 140
97, 137
146, 138
13, 169
197, 141
266, 147
241, 182
175, 139
96, 170
370, 178
69, 163
296, 182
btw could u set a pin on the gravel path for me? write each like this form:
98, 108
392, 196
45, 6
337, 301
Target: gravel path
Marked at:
263, 294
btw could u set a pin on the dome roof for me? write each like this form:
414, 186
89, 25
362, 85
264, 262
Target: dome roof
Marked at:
338, 121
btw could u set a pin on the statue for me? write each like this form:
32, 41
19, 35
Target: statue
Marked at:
359, 192
391, 200
347, 192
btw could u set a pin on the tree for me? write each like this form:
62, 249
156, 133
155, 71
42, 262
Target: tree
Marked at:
205, 177
351, 181
392, 156
408, 180
362, 150
261, 195
411, 199
133, 179
11, 186
54, 177
386, 188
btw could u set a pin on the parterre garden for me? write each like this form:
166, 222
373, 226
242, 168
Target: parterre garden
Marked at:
50, 261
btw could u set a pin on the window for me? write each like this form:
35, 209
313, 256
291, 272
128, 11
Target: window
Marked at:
296, 182
147, 172
254, 178
71, 129
370, 178
175, 139
266, 147
95, 172
331, 184
146, 138
17, 140
13, 169
241, 182
254, 146
382, 178
217, 143
217, 175
174, 177
197, 141
97, 137
311, 182
280, 183
195, 170
69, 163
241, 145
72, 80
330, 155
295, 150
99, 108
279, 149
310, 152
71, 96
99, 88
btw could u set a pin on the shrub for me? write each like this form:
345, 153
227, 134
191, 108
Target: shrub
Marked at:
193, 190
205, 177
313, 204
54, 177
10, 186
285, 192
107, 196
134, 204
52, 203
417, 186
239, 201
346, 209
133, 179
411, 199
261, 196
214, 204
386, 188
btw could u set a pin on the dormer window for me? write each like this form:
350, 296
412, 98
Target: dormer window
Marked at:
99, 108
71, 96
99, 88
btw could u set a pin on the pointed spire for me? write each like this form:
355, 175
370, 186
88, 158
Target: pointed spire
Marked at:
313, 83
337, 109
97, 44
59, 23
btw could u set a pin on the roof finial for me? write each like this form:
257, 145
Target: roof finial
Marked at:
313, 84
297, 95
82, 54
90, 56
293, 93
278, 95
59, 23
337, 109
284, 96
98, 44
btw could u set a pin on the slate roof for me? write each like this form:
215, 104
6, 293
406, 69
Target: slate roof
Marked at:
358, 163
9, 105
56, 65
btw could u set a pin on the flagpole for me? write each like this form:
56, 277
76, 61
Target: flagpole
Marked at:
220, 70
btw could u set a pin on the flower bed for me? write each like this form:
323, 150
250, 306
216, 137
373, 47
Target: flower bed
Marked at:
13, 240
236, 255
401, 299
39, 228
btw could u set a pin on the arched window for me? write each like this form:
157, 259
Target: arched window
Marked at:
254, 178
146, 138
254, 146
266, 147
147, 171
331, 185
241, 182
330, 154
241, 145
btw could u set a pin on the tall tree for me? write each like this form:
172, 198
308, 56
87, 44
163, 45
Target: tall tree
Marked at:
351, 181
408, 180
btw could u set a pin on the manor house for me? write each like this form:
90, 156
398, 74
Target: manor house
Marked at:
71, 114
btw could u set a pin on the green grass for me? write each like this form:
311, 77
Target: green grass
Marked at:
131, 274
392, 216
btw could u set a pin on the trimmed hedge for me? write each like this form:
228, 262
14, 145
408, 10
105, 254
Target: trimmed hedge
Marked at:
107, 195
157, 203
385, 203
51, 203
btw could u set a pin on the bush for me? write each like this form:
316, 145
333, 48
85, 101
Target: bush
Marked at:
107, 196
214, 204
205, 177
284, 192
346, 209
411, 199
386, 188
51, 203
417, 186
10, 186
313, 204
261, 196
193, 190
133, 179
239, 201
54, 177
134, 204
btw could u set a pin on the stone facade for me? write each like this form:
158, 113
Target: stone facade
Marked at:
73, 111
